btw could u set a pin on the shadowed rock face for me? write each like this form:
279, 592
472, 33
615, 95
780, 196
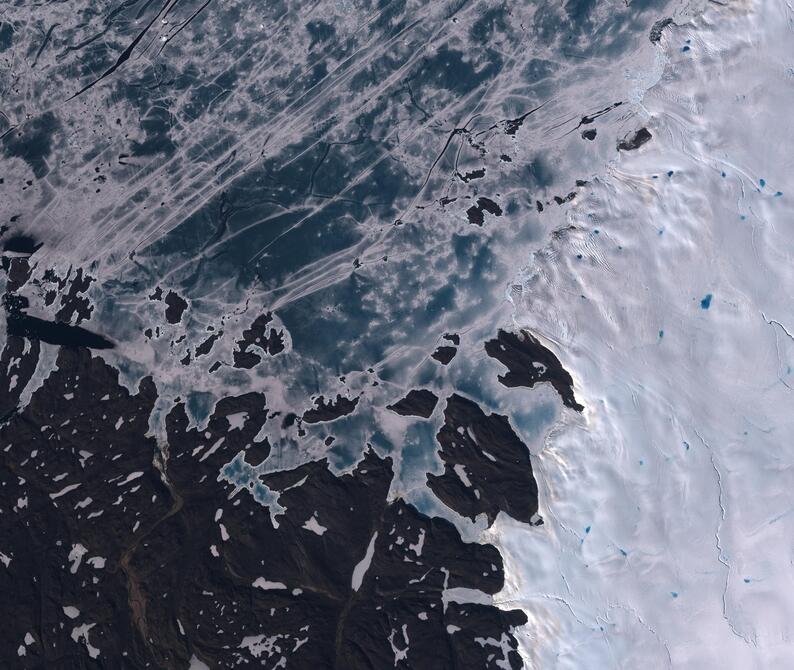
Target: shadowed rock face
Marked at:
328, 410
486, 466
476, 213
418, 402
268, 339
206, 346
152, 559
127, 556
529, 363
658, 28
444, 354
175, 307
635, 141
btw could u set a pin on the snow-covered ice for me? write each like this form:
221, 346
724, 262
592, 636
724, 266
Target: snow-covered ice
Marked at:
668, 505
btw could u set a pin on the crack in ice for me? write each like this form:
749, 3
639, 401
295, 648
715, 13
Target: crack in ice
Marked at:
773, 323
647, 626
721, 557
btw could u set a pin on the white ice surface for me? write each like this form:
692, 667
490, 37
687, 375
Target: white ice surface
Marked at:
266, 585
682, 465
363, 565
314, 526
71, 611
197, 664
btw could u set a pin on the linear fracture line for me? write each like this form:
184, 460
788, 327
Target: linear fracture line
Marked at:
721, 557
